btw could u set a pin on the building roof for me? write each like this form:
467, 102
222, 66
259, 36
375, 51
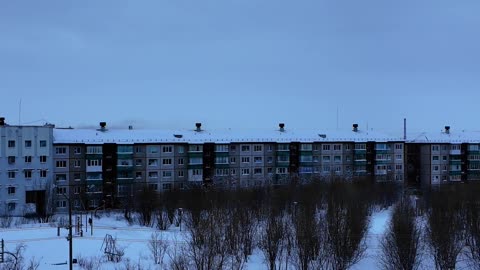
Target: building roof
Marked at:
127, 136
452, 136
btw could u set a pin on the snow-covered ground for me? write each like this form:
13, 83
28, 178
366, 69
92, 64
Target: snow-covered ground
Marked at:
44, 245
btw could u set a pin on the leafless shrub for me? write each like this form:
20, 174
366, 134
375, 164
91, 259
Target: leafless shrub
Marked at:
402, 242
162, 218
14, 260
472, 208
158, 247
90, 263
178, 257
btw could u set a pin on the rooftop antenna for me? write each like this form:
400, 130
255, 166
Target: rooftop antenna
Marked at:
20, 112
337, 117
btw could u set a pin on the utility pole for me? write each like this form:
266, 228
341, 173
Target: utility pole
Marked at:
70, 237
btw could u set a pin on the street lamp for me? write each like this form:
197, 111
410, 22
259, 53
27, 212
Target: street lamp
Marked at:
70, 236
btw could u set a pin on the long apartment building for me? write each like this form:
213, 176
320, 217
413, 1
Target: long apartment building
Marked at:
91, 168
26, 168
105, 167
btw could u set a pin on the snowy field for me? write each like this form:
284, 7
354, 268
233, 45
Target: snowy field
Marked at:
43, 244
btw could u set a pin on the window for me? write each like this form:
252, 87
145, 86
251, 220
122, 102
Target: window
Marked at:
282, 147
167, 186
181, 149
221, 148
61, 164
77, 176
181, 161
306, 158
398, 167
77, 150
77, 189
43, 173
28, 159
195, 148
245, 171
43, 159
436, 168
306, 147
326, 147
245, 159
28, 143
167, 161
153, 174
435, 148
257, 171
138, 175
61, 190
245, 148
61, 177
435, 157
326, 168
11, 160
398, 146
11, 206
77, 163
43, 143
315, 158
196, 160
337, 159
270, 159
197, 172
233, 172
11, 174
60, 150
27, 174
257, 159
270, 170
221, 172
233, 160
348, 147
181, 174
167, 174
337, 147
94, 150
167, 149
94, 162
282, 170
153, 162
11, 190
138, 162
61, 204
455, 147
11, 143
153, 187
283, 158
325, 158
398, 157
444, 158
152, 149
360, 146
257, 148
138, 149
221, 160
233, 147
269, 148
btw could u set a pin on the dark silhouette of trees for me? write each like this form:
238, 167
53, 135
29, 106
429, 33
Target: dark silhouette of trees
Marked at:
446, 226
402, 243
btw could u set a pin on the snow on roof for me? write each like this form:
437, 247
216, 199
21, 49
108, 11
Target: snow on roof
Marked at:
127, 136
444, 137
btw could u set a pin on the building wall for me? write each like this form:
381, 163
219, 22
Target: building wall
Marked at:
25, 168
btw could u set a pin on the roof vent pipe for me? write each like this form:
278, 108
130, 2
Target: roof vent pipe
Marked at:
447, 129
130, 127
2, 121
282, 127
355, 127
199, 126
102, 126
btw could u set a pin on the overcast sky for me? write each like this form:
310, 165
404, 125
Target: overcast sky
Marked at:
242, 63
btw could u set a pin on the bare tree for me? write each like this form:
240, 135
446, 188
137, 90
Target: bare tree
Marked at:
445, 231
308, 237
401, 244
146, 200
473, 227
272, 239
206, 246
346, 225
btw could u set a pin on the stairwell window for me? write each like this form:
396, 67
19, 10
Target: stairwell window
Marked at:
28, 143
11, 190
11, 144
